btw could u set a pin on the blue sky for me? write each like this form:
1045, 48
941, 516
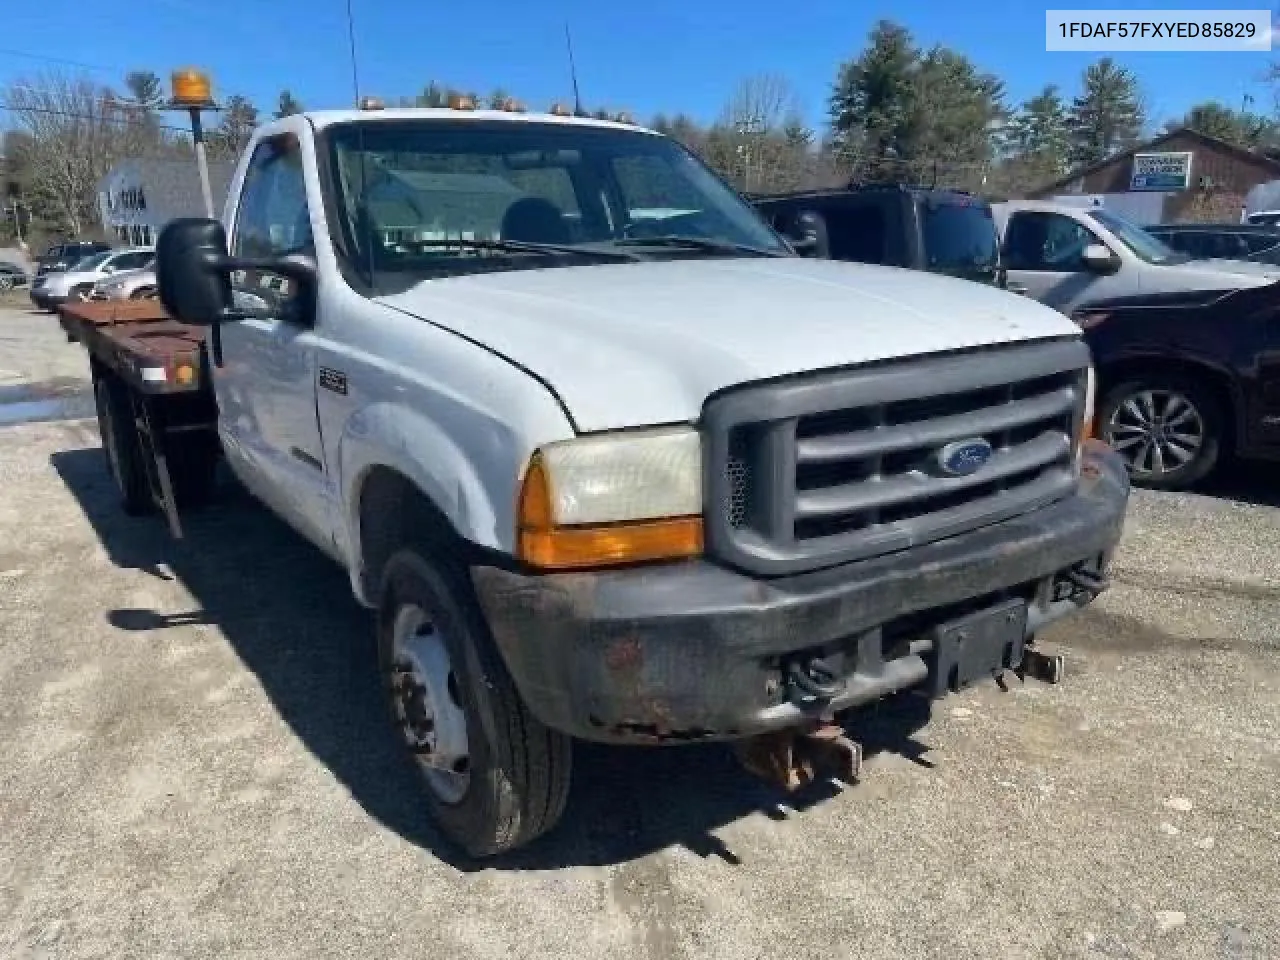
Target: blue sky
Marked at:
667, 55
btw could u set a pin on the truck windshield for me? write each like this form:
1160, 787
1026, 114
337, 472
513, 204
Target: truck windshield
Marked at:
960, 238
1143, 244
401, 190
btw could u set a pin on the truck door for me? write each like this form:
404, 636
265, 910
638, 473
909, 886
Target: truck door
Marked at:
267, 383
1043, 253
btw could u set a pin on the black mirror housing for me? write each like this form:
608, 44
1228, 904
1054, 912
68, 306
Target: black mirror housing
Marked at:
192, 271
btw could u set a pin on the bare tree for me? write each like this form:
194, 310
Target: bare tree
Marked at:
73, 128
765, 142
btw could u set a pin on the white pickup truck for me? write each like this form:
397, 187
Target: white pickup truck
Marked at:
610, 461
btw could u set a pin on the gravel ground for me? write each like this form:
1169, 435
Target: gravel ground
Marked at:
193, 763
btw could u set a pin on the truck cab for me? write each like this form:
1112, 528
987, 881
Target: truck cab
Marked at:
896, 225
611, 462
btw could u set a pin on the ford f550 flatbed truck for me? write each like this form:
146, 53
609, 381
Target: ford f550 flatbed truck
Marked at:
608, 459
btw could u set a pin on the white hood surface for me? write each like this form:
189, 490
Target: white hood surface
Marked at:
636, 344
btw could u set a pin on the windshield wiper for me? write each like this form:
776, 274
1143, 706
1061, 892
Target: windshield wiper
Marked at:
523, 246
698, 243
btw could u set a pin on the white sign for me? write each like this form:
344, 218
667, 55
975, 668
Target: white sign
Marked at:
1133, 30
1160, 171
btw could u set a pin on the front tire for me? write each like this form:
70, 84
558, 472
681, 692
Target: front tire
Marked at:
1169, 429
494, 777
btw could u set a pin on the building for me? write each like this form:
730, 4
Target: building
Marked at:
138, 197
1183, 175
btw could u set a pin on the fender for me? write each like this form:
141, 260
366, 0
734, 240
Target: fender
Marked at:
472, 477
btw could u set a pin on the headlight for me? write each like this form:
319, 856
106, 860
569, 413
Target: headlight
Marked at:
613, 498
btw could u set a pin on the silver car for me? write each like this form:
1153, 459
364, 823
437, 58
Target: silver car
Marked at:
77, 283
129, 285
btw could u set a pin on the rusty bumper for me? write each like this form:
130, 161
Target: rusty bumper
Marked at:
694, 651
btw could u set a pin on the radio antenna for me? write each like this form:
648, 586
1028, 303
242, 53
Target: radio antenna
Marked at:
573, 72
351, 40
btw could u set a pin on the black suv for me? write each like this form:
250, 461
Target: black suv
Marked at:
1184, 383
897, 225
1222, 241
61, 256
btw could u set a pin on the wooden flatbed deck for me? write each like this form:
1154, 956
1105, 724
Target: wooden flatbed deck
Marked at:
137, 340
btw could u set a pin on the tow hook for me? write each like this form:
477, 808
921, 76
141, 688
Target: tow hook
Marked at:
1045, 667
793, 758
1088, 581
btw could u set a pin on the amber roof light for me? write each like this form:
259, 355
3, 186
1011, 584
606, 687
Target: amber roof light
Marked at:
192, 89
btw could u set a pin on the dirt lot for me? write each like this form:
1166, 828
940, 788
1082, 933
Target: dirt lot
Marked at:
193, 763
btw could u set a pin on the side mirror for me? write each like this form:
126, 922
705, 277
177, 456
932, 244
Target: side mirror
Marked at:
191, 272
805, 246
1099, 259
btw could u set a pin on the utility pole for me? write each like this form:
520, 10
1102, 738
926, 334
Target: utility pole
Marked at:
746, 127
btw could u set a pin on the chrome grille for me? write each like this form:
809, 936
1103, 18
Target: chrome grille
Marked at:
826, 469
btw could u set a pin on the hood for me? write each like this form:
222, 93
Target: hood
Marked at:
636, 344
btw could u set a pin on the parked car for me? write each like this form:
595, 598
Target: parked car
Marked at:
130, 285
12, 275
1069, 257
938, 231
62, 256
1222, 241
78, 282
1184, 384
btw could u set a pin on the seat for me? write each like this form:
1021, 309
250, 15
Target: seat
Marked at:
534, 220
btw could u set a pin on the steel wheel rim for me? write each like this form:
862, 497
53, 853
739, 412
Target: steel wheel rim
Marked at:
6, 283
1157, 432
426, 700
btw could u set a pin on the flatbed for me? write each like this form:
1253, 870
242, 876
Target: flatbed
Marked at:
155, 402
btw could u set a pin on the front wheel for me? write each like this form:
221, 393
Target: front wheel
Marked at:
1168, 429
494, 777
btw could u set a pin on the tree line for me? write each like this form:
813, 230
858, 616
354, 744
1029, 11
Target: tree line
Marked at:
896, 111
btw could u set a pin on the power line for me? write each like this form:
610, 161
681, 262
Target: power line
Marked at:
61, 60
98, 117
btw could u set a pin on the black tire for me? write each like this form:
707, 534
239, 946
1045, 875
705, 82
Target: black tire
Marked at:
80, 293
1209, 421
519, 770
121, 446
143, 293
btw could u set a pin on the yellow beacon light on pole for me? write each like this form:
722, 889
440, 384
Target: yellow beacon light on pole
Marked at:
193, 92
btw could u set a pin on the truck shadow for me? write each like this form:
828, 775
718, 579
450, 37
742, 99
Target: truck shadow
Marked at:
287, 612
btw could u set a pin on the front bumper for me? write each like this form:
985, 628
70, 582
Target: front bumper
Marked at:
695, 651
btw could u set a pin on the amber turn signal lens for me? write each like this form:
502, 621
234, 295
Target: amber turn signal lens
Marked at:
566, 548
543, 544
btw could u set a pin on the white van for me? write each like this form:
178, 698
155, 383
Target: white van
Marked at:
1067, 257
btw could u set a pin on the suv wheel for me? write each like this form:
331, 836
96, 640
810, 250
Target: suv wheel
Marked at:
1167, 428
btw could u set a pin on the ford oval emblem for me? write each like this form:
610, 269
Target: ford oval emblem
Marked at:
961, 458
